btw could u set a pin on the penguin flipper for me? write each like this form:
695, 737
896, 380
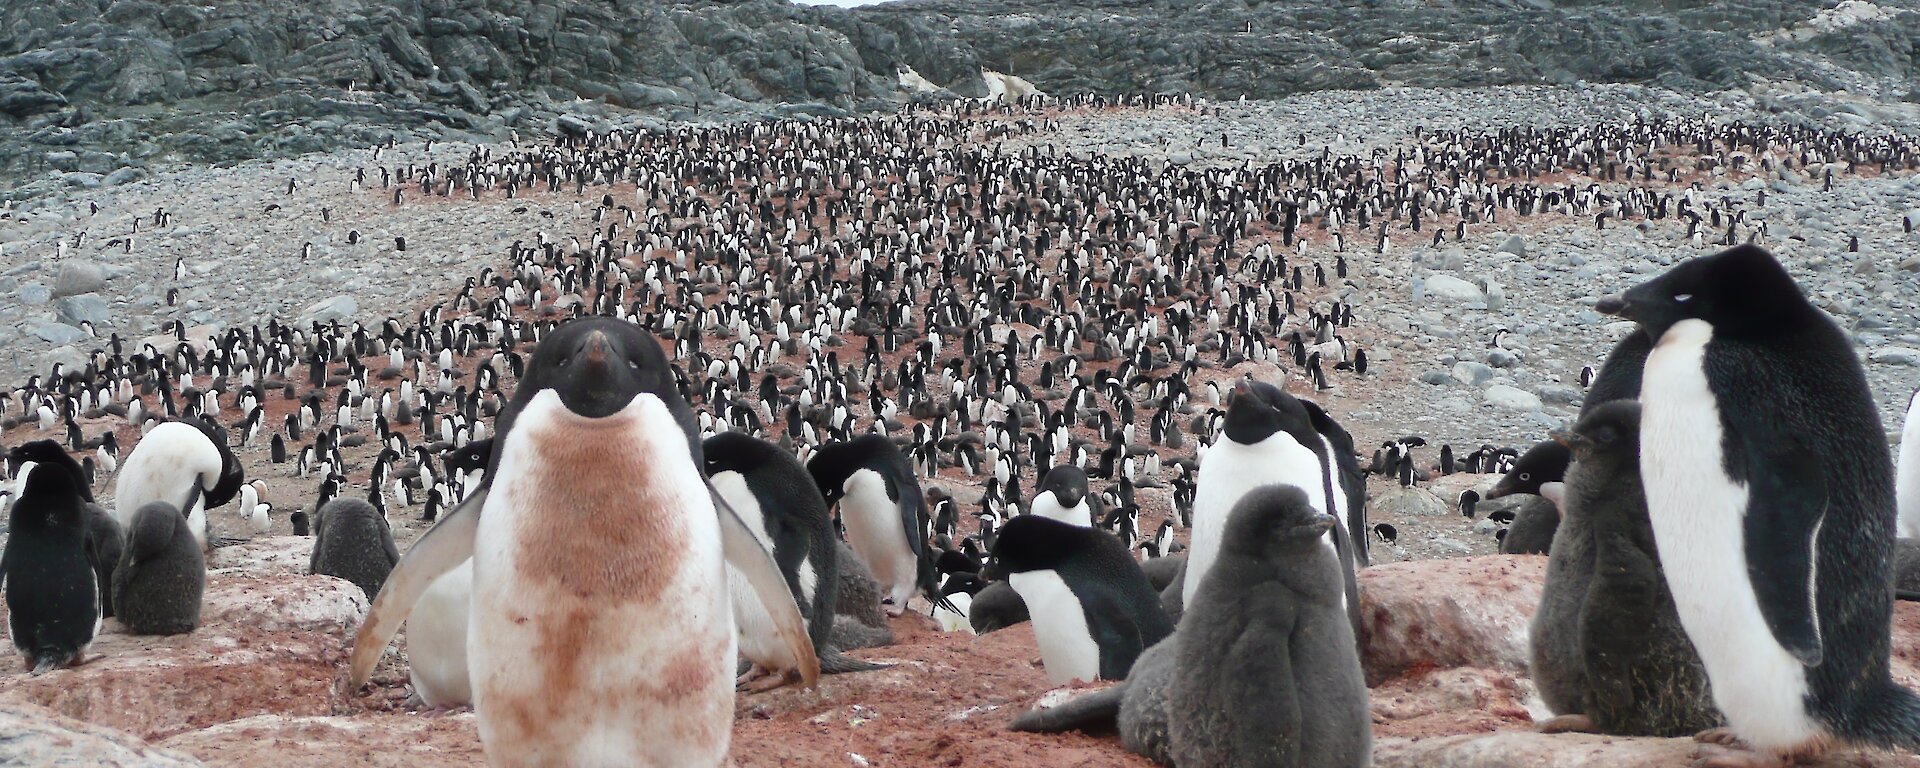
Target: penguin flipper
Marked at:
1116, 636
744, 553
1786, 505
1094, 711
442, 548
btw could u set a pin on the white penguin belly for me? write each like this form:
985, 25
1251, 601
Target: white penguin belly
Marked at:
437, 640
1048, 506
878, 534
1059, 627
600, 632
758, 637
164, 466
1906, 478
1699, 527
1231, 470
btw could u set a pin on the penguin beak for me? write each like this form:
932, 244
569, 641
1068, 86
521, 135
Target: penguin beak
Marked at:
1068, 499
993, 571
1616, 305
594, 351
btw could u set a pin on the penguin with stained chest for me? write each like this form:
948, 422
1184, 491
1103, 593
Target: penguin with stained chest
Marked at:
1539, 471
1268, 438
1642, 676
1062, 495
1770, 488
885, 515
775, 497
600, 631
52, 591
1093, 609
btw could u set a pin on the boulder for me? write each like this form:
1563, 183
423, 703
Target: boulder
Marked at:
1515, 245
1511, 398
77, 277
88, 308
1457, 612
329, 310
1410, 501
1453, 289
34, 735
263, 555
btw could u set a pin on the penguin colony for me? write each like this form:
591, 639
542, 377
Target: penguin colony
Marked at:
887, 301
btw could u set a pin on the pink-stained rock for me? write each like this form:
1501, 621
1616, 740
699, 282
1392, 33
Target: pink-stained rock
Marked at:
40, 737
1460, 612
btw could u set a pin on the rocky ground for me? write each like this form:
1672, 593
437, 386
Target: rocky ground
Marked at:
1447, 638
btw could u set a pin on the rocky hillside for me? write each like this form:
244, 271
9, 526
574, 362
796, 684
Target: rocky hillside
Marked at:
91, 87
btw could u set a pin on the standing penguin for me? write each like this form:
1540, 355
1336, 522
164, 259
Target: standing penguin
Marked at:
1906, 482
1271, 676
1062, 495
1093, 609
600, 631
352, 541
1642, 675
1268, 438
883, 511
1770, 488
162, 573
184, 463
776, 499
1539, 471
53, 597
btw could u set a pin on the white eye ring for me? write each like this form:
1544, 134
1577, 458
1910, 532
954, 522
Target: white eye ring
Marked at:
1682, 297
1526, 475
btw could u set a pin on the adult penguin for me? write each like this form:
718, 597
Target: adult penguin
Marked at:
1770, 488
184, 463
1268, 438
775, 497
885, 515
52, 594
600, 631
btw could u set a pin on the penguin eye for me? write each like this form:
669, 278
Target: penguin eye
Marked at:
634, 364
1682, 297
1526, 475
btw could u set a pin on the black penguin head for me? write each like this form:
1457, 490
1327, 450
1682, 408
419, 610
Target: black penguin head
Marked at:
1275, 518
597, 365
1067, 483
1742, 291
1545, 462
834, 463
55, 475
469, 457
1256, 410
1033, 543
1610, 431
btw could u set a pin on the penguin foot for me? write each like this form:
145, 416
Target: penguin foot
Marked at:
754, 672
773, 680
1566, 724
1722, 736
1715, 756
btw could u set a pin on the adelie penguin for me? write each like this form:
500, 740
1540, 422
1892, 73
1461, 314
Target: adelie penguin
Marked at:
1539, 472
52, 591
1093, 609
595, 522
1268, 438
775, 497
184, 463
1062, 495
1770, 488
1631, 667
162, 573
883, 511
1264, 669
352, 541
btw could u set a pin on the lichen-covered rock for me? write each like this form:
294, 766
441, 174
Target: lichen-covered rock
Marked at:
37, 736
1461, 612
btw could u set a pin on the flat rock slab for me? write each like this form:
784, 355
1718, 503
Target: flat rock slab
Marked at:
1527, 749
266, 644
374, 741
37, 736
